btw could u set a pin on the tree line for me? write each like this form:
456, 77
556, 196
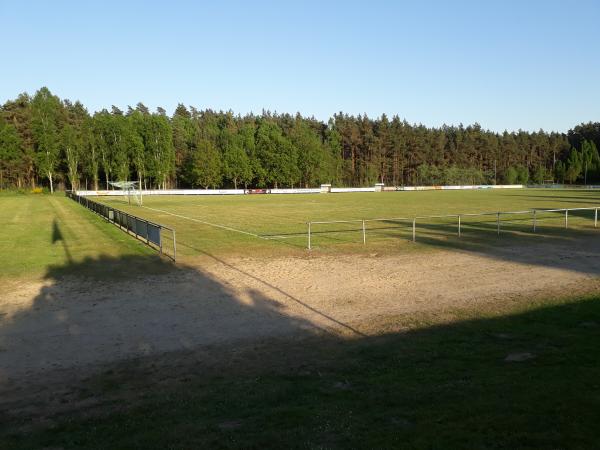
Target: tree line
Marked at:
52, 142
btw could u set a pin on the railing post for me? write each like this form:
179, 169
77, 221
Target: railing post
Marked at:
566, 218
364, 233
309, 235
160, 238
174, 246
459, 225
534, 220
414, 229
498, 223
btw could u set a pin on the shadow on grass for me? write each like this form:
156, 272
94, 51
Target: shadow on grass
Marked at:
576, 250
526, 379
108, 308
576, 196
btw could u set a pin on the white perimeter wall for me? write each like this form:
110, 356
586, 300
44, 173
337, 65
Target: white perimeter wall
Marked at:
296, 191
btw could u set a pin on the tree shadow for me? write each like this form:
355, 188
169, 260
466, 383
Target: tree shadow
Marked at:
575, 249
591, 197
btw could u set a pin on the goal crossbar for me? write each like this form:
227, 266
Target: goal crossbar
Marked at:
132, 188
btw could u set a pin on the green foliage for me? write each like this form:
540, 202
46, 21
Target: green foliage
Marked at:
10, 152
159, 145
46, 109
540, 175
206, 169
72, 148
236, 165
451, 176
522, 175
589, 157
311, 154
277, 155
560, 172
574, 165
274, 150
511, 175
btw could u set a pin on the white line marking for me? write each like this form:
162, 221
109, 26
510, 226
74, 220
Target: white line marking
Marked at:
205, 223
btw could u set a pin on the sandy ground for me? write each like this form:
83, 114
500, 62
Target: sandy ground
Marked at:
70, 323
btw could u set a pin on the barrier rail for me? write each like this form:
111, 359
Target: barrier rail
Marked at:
148, 232
412, 221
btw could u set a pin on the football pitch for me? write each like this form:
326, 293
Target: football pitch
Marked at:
278, 224
250, 333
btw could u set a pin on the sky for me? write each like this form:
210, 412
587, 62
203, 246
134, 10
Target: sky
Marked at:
503, 64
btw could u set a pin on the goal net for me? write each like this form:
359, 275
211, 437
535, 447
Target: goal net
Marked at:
132, 189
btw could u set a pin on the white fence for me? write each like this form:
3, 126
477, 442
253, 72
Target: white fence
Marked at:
322, 189
530, 219
453, 188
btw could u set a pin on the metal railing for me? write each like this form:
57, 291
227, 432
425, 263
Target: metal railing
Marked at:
156, 236
535, 215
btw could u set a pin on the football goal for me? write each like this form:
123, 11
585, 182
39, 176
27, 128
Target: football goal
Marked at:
131, 189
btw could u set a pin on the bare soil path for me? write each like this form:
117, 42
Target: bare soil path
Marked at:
72, 323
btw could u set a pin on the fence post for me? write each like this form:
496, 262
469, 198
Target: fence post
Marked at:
309, 235
160, 238
498, 222
566, 218
459, 225
534, 220
596, 218
174, 246
414, 229
364, 233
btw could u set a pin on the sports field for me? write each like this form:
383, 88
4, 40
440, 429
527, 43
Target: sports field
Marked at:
251, 338
277, 224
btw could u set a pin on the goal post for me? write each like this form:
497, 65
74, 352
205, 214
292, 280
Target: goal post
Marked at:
132, 189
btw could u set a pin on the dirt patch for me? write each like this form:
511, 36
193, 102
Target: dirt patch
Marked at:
70, 324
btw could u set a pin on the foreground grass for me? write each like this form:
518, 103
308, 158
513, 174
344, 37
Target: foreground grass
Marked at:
432, 385
279, 221
40, 231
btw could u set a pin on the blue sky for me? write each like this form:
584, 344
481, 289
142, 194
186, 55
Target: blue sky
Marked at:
504, 64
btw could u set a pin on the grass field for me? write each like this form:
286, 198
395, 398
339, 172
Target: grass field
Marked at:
277, 223
515, 372
43, 231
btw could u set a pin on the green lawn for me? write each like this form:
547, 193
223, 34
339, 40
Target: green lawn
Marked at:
431, 386
42, 231
276, 224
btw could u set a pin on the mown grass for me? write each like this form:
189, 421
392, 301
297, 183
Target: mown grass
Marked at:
40, 231
279, 221
431, 385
